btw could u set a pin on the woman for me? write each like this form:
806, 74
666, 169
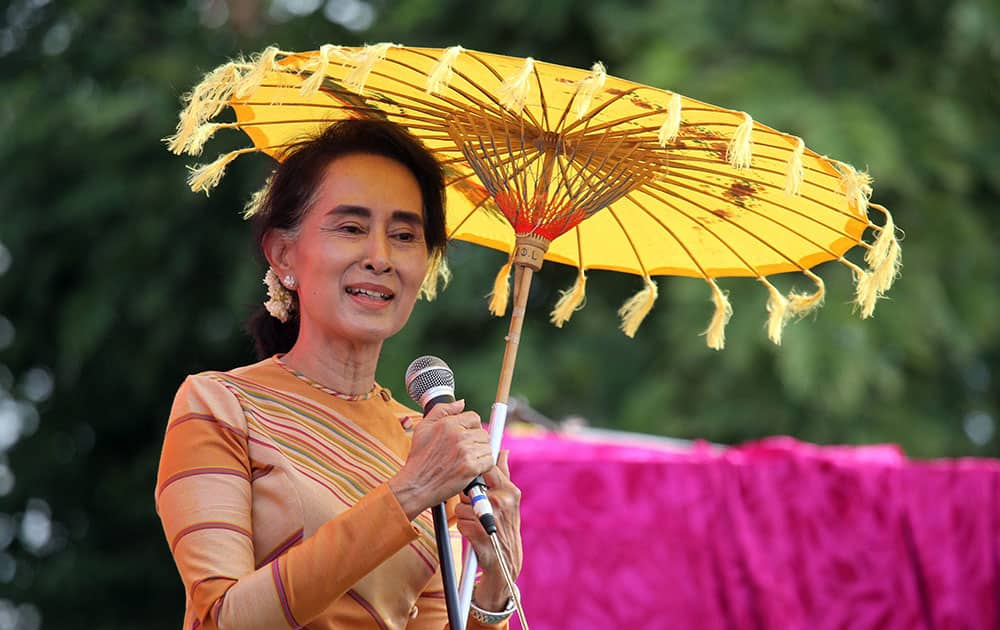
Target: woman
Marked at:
295, 491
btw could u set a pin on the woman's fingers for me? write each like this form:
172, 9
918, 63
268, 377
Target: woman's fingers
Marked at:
506, 511
442, 410
463, 512
469, 526
499, 475
505, 497
449, 448
502, 462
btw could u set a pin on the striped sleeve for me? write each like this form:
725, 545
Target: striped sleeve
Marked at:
204, 500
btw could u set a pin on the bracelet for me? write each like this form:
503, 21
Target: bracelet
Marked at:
489, 617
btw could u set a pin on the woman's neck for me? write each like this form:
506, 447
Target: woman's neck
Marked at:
345, 368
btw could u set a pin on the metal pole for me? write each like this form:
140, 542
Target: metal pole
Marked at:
440, 514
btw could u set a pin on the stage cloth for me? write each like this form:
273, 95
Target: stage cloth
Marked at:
771, 534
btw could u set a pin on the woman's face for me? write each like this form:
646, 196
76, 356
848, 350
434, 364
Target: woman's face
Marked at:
360, 256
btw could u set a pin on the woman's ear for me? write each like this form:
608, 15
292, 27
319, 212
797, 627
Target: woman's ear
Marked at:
279, 253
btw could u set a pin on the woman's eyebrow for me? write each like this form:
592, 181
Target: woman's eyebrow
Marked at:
350, 210
363, 212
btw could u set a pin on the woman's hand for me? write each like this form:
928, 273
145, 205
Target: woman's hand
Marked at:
448, 450
491, 593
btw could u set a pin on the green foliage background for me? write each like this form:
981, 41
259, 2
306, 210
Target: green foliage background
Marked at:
117, 281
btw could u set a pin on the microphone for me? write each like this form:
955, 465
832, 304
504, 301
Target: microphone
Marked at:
430, 382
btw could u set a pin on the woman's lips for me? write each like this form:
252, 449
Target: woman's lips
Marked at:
370, 291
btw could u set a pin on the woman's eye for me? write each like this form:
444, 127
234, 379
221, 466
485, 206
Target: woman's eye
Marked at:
351, 229
406, 237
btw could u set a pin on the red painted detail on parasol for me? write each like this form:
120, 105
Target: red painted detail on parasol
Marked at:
536, 217
565, 220
738, 192
709, 140
509, 202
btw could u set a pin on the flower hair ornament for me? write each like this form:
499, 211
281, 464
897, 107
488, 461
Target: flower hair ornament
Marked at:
280, 301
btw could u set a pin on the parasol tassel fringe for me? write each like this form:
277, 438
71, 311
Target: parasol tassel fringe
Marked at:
795, 173
885, 260
440, 76
196, 142
253, 206
880, 248
437, 278
203, 102
885, 256
443, 275
740, 151
264, 62
777, 309
857, 186
315, 81
672, 125
501, 290
888, 270
364, 62
866, 293
801, 304
514, 90
588, 87
637, 307
207, 176
570, 301
715, 334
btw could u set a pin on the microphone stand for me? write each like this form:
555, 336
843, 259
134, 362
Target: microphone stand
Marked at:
441, 391
440, 514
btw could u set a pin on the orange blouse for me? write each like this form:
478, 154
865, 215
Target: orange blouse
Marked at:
273, 497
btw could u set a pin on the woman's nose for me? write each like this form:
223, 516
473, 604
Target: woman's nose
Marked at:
378, 256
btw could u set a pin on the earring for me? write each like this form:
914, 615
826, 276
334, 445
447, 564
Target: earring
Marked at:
280, 303
290, 282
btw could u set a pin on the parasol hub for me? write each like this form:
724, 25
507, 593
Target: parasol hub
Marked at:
529, 250
550, 142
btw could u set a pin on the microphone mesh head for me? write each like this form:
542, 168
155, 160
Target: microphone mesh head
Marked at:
425, 373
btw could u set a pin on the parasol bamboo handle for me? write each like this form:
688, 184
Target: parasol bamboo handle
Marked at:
522, 285
498, 417
528, 257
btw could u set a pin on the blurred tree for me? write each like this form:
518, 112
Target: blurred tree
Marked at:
117, 281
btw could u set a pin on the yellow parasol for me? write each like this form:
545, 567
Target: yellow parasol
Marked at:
586, 169
546, 162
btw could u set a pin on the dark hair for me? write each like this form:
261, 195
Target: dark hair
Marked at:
296, 179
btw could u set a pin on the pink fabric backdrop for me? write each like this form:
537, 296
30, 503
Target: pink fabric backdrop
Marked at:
773, 534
